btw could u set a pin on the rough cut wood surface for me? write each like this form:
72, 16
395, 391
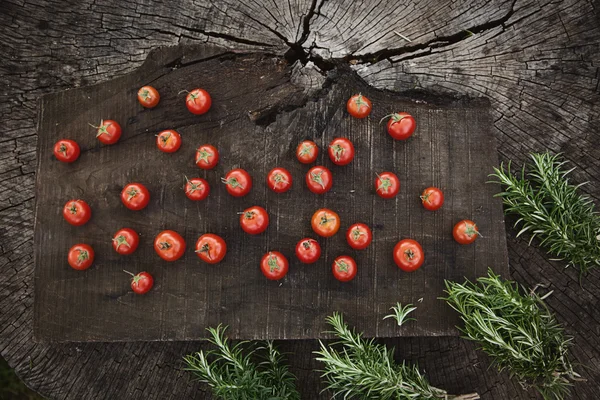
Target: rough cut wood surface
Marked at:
537, 61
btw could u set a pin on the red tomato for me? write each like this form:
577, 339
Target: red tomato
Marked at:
408, 255
401, 125
359, 106
169, 245
325, 222
359, 236
341, 151
254, 220
238, 182
279, 180
196, 188
77, 212
141, 283
387, 185
344, 268
135, 196
207, 156
308, 250
81, 256
307, 152
108, 132
148, 96
125, 241
432, 198
319, 179
198, 101
66, 150
211, 248
465, 232
168, 141
274, 265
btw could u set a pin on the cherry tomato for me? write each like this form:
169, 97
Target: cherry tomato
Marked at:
308, 250
307, 152
141, 283
77, 212
196, 188
359, 106
211, 248
169, 245
432, 198
81, 256
359, 236
274, 265
108, 132
387, 185
319, 179
344, 268
325, 222
207, 156
465, 232
125, 241
408, 255
66, 150
341, 151
279, 180
198, 101
238, 182
148, 96
400, 125
168, 141
135, 196
254, 220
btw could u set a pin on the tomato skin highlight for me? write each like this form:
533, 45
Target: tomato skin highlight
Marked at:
319, 179
135, 196
141, 283
341, 151
108, 132
279, 180
207, 156
81, 256
196, 189
198, 101
211, 248
401, 125
432, 198
465, 231
274, 265
308, 251
168, 141
125, 241
408, 255
254, 220
359, 236
148, 97
387, 185
77, 212
66, 150
344, 268
238, 182
359, 106
307, 152
325, 222
169, 245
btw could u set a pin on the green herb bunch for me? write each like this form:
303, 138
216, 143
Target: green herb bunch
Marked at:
517, 331
364, 369
233, 374
551, 209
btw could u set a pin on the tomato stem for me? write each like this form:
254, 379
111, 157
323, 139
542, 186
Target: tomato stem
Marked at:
316, 176
233, 182
338, 151
127, 272
272, 262
342, 266
203, 156
120, 240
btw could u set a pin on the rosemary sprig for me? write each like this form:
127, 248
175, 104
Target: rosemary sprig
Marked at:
233, 374
551, 208
401, 312
364, 369
517, 331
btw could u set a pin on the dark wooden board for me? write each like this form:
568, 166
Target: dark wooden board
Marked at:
452, 149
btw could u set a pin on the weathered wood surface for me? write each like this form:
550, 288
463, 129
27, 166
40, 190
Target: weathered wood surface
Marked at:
537, 61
